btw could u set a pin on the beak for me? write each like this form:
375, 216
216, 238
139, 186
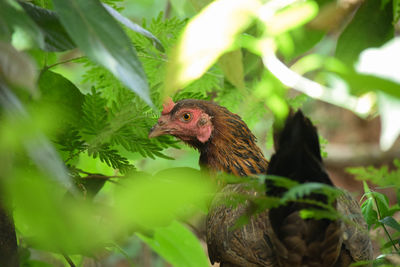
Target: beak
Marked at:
157, 130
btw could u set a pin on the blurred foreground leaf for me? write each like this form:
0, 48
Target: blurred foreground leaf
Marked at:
55, 36
16, 68
103, 40
232, 66
49, 220
134, 27
64, 96
177, 245
12, 18
147, 202
384, 63
293, 16
371, 27
207, 36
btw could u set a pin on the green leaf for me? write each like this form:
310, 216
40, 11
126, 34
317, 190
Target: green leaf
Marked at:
103, 40
206, 37
232, 66
367, 210
55, 36
134, 27
382, 202
370, 27
396, 11
318, 214
298, 41
301, 190
177, 245
64, 96
153, 201
12, 17
94, 113
383, 63
292, 16
36, 263
389, 221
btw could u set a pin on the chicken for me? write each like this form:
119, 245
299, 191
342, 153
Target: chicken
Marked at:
227, 145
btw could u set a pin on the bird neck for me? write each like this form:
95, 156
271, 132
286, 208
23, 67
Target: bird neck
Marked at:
233, 151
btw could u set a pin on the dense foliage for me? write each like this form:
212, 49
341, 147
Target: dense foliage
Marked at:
81, 86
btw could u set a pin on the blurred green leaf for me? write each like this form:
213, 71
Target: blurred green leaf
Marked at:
13, 17
134, 27
36, 263
148, 202
206, 37
177, 245
103, 40
298, 41
52, 221
382, 202
396, 11
293, 16
64, 96
370, 215
16, 68
371, 27
232, 66
55, 36
389, 221
37, 146
271, 90
383, 63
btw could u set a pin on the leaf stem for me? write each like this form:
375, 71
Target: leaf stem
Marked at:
384, 227
68, 259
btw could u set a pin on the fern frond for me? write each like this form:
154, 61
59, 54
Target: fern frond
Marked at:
94, 113
111, 158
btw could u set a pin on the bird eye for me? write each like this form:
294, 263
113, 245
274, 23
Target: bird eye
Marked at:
186, 116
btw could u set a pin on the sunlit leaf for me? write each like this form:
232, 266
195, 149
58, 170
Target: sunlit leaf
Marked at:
55, 36
148, 202
383, 62
206, 37
102, 39
291, 17
232, 66
199, 4
370, 27
177, 245
134, 27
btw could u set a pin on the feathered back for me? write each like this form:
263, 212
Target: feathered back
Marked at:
301, 242
298, 154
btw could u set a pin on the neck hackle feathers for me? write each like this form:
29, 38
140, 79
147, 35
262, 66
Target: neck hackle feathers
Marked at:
224, 141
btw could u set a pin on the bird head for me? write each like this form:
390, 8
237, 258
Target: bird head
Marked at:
187, 120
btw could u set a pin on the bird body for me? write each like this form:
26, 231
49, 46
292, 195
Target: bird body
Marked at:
270, 238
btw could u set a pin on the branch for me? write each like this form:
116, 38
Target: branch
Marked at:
359, 154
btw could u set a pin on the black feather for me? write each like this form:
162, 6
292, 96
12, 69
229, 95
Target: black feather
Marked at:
298, 154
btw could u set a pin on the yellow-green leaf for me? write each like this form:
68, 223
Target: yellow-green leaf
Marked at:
232, 66
206, 37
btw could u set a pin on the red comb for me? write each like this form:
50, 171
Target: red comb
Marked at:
167, 106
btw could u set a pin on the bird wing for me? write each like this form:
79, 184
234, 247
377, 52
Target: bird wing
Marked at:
247, 245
